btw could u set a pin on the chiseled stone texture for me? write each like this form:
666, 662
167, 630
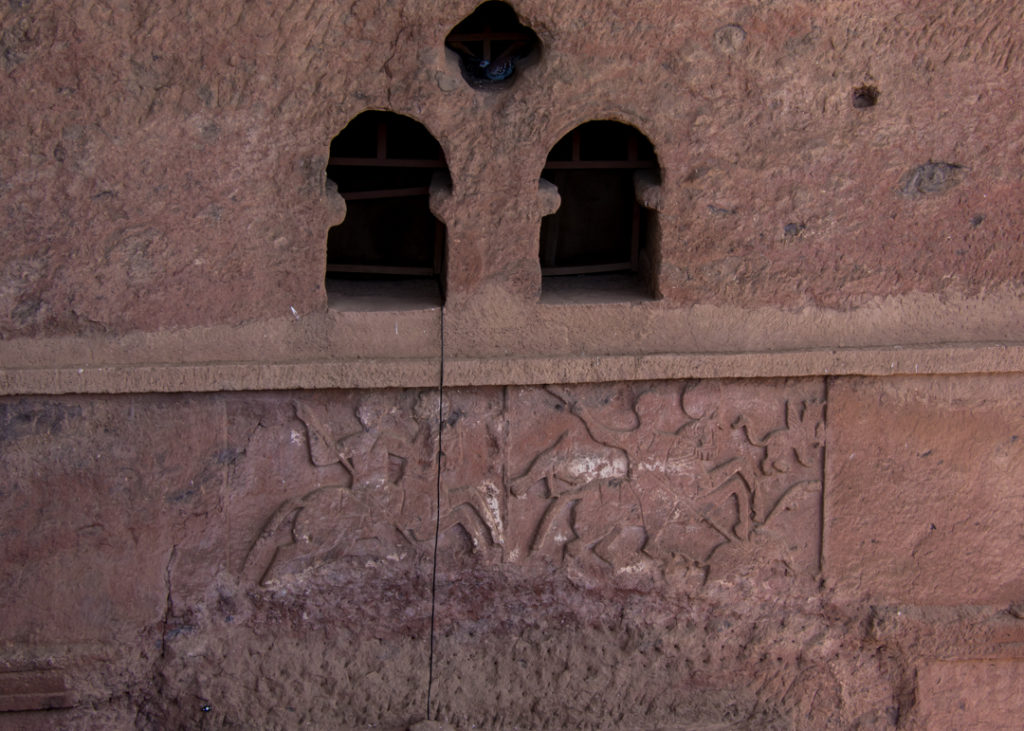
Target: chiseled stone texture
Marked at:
94, 492
164, 164
975, 694
265, 558
640, 554
925, 494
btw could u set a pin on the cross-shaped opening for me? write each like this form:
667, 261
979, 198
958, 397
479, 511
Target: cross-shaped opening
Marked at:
492, 45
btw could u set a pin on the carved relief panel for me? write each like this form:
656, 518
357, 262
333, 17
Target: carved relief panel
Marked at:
347, 479
668, 476
656, 478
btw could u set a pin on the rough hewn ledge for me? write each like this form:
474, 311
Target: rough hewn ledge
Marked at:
425, 372
497, 339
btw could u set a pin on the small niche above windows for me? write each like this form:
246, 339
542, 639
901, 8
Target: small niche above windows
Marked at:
493, 46
390, 244
596, 245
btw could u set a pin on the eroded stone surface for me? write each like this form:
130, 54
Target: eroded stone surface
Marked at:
94, 493
924, 502
636, 514
288, 538
978, 694
652, 548
168, 168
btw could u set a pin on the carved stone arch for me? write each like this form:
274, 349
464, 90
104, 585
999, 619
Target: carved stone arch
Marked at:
603, 234
393, 176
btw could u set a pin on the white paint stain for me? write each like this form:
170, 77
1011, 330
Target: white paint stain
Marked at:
633, 568
295, 437
671, 467
585, 469
494, 508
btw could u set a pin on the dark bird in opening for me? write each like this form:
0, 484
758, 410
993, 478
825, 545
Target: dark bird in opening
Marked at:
499, 68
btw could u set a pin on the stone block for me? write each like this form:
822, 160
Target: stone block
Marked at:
94, 494
304, 599
925, 490
637, 521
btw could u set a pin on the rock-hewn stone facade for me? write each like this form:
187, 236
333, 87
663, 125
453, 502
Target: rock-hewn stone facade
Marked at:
776, 486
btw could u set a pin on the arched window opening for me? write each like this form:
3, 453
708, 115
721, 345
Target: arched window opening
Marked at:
492, 44
383, 164
600, 230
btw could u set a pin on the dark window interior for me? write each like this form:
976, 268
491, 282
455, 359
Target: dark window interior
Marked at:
382, 164
599, 227
492, 45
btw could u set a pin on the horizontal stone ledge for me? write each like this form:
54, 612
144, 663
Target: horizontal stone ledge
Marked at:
463, 371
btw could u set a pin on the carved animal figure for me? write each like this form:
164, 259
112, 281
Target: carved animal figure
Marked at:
681, 507
323, 526
331, 522
569, 470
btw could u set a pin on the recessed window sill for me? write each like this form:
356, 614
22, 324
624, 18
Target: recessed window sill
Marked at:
383, 295
597, 289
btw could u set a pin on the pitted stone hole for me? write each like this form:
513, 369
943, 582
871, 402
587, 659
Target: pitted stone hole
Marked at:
389, 250
598, 244
865, 96
492, 46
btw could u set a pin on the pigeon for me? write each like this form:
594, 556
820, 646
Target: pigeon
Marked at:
500, 68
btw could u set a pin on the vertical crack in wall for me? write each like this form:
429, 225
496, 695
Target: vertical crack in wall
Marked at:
437, 520
827, 381
169, 605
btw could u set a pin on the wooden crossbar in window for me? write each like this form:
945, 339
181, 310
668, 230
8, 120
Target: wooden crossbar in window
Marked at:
390, 162
588, 269
575, 161
386, 270
385, 193
599, 165
488, 36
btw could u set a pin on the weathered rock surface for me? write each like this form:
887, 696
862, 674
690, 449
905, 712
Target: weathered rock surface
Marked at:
924, 498
971, 694
640, 555
168, 165
839, 192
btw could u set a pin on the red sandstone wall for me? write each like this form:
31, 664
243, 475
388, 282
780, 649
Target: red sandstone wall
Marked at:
807, 551
168, 169
770, 554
